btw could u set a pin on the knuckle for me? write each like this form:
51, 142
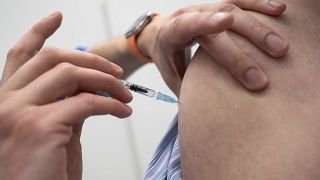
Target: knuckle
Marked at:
65, 68
98, 60
161, 33
112, 106
49, 51
209, 38
230, 1
51, 56
176, 22
177, 30
92, 57
226, 7
11, 52
161, 39
257, 28
109, 79
183, 11
16, 51
236, 59
94, 60
89, 101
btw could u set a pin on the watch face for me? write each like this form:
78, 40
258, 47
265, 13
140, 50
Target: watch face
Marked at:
141, 22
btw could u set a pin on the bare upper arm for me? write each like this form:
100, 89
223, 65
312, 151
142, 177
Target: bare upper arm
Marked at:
229, 133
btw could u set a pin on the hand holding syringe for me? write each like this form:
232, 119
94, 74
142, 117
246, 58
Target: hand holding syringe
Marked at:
148, 92
140, 89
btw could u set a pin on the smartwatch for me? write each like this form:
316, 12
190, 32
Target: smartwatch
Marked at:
133, 33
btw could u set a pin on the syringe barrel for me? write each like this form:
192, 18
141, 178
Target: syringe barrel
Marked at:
139, 89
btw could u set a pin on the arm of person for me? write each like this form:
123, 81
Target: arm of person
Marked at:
116, 50
227, 132
167, 41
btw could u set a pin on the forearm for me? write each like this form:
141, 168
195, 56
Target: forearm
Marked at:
116, 51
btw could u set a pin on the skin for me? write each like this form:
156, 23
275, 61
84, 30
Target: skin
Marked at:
38, 126
175, 33
34, 125
167, 40
227, 132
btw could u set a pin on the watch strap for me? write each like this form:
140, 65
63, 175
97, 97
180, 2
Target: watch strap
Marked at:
135, 51
133, 45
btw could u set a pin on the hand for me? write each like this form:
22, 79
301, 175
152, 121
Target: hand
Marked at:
167, 39
39, 132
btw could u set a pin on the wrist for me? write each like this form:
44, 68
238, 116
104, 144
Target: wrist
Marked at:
147, 38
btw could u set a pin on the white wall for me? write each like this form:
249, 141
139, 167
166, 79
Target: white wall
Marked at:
112, 148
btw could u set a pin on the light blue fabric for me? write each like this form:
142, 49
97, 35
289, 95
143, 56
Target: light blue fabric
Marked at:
166, 162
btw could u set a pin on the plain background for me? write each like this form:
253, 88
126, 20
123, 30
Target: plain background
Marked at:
112, 148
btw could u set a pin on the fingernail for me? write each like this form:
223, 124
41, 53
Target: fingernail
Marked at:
276, 3
275, 42
129, 111
254, 78
129, 95
118, 68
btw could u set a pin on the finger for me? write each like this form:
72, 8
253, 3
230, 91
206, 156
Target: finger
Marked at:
258, 33
65, 79
271, 7
31, 43
76, 109
77, 129
179, 32
229, 55
48, 58
184, 28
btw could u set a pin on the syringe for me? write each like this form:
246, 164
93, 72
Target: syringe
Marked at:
148, 92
